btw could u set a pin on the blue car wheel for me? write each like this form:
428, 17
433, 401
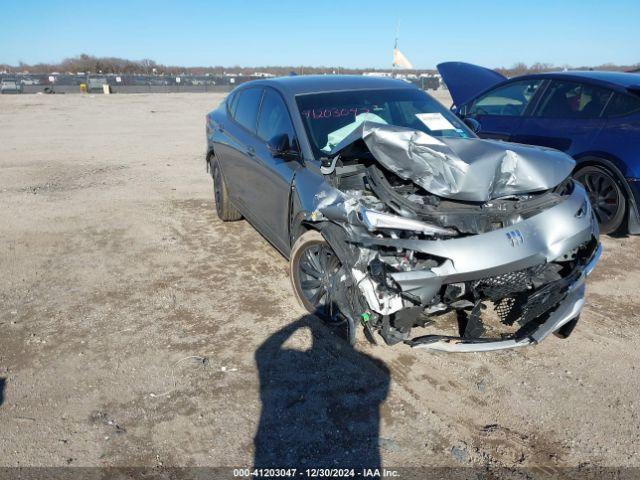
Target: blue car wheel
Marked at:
606, 196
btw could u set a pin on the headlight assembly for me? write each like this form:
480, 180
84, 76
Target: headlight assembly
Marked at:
380, 221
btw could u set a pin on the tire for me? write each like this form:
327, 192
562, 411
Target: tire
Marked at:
224, 208
314, 268
565, 330
606, 195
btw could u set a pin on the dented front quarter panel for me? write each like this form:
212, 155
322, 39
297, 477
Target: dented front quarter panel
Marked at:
308, 185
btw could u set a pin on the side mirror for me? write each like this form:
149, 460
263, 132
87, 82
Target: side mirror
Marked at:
280, 147
460, 111
473, 124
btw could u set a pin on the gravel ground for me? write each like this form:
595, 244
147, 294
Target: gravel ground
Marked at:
138, 329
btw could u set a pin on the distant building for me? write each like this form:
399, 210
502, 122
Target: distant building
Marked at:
376, 74
95, 84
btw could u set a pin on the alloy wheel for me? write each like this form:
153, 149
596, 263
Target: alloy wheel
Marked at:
318, 272
605, 195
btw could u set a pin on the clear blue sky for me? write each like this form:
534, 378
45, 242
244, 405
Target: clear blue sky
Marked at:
347, 33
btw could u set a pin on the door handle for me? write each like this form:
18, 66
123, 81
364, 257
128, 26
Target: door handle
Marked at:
220, 128
251, 151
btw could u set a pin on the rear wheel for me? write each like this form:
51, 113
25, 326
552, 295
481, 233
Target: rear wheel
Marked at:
315, 273
606, 196
224, 208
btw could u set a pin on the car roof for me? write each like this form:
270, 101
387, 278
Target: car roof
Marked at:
619, 79
296, 85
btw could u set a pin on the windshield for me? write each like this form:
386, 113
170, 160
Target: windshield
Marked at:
330, 117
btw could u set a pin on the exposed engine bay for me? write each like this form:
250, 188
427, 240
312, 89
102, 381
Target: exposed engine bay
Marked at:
495, 235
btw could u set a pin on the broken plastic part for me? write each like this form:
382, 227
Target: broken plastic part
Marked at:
385, 304
565, 313
328, 165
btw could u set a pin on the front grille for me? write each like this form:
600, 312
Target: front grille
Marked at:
525, 307
540, 302
500, 286
516, 298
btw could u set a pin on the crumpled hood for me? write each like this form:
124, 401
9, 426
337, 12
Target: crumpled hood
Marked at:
469, 169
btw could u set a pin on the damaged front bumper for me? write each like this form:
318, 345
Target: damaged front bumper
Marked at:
568, 310
551, 237
542, 238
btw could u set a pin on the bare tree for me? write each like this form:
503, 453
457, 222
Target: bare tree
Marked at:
113, 65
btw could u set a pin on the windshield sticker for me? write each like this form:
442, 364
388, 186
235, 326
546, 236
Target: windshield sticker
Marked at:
435, 121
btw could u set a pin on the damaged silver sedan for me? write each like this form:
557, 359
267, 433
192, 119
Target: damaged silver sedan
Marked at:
396, 217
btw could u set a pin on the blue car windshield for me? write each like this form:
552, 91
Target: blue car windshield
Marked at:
330, 117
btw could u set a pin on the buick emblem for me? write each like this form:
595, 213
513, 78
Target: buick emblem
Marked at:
515, 237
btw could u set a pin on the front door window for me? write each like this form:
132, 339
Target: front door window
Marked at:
507, 100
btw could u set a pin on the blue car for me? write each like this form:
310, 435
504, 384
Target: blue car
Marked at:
592, 116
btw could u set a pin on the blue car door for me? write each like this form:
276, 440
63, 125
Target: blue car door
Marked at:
500, 110
567, 117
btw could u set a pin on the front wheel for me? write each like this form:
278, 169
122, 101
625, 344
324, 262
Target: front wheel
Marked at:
606, 196
317, 277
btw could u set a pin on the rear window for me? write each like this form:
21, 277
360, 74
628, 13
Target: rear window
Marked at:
246, 113
573, 100
622, 104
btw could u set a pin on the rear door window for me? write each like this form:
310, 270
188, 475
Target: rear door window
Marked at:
274, 118
564, 99
622, 104
246, 111
232, 103
509, 100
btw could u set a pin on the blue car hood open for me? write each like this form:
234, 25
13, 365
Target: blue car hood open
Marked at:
465, 81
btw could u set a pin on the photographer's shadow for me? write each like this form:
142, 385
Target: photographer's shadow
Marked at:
320, 407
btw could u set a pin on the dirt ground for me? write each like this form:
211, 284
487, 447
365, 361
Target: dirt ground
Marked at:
138, 329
